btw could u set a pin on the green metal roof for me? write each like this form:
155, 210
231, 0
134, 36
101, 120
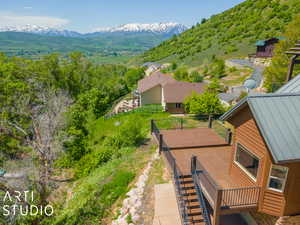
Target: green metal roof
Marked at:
260, 43
291, 87
278, 119
263, 42
2, 172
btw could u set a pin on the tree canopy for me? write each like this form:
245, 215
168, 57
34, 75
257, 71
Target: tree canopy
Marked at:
203, 104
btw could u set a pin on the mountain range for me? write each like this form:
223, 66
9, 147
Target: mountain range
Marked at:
117, 42
155, 28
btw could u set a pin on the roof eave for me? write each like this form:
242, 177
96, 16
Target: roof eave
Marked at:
287, 161
234, 109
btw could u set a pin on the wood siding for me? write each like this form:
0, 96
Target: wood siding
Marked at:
248, 134
171, 108
292, 189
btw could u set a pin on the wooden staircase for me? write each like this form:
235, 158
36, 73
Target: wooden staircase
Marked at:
194, 209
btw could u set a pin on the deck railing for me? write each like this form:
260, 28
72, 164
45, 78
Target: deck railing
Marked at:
186, 122
180, 193
155, 130
208, 184
247, 196
225, 198
199, 192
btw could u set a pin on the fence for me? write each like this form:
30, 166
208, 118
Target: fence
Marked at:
176, 175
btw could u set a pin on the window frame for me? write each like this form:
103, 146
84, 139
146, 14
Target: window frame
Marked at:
178, 105
277, 178
241, 166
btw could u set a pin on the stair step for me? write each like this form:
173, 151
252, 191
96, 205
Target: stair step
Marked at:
194, 214
186, 182
189, 201
188, 188
189, 194
193, 206
185, 176
196, 222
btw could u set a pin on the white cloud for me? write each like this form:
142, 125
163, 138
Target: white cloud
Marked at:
28, 7
13, 19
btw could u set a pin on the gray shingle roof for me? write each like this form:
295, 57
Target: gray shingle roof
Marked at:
291, 87
278, 118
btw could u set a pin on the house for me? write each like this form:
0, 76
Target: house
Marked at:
254, 172
265, 48
163, 89
266, 149
151, 67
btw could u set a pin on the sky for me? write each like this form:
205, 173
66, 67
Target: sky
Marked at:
88, 15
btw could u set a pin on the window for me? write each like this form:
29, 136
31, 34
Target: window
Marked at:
247, 161
277, 178
178, 105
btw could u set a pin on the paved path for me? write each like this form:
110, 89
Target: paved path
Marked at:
166, 210
257, 74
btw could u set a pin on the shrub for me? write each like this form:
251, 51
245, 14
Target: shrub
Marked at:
93, 160
203, 104
129, 134
181, 74
195, 77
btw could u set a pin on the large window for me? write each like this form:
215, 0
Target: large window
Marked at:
247, 161
277, 179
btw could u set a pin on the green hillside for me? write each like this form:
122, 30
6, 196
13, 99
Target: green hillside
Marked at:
109, 46
231, 33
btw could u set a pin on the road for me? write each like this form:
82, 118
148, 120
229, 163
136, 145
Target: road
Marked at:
257, 74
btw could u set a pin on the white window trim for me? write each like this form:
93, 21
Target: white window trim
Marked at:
241, 166
284, 180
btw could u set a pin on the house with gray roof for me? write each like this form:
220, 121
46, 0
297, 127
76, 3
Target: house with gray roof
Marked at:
266, 146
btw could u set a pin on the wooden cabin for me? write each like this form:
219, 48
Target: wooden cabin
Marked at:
266, 149
265, 48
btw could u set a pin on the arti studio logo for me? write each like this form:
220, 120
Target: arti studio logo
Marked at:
14, 205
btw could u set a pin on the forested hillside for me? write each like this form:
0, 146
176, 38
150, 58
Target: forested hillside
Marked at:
50, 111
231, 33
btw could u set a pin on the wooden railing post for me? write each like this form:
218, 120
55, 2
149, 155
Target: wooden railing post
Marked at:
291, 68
210, 119
160, 143
193, 164
217, 208
181, 123
228, 136
152, 126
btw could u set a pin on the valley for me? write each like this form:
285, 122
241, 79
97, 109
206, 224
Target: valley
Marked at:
106, 46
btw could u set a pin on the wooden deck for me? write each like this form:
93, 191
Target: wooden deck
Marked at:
192, 138
216, 160
210, 158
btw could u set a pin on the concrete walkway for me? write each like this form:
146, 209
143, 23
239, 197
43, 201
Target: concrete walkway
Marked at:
166, 210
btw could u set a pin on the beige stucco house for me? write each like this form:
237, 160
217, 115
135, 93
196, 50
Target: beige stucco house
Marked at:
163, 89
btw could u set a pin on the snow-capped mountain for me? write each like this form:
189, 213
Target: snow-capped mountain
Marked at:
174, 28
157, 28
41, 30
